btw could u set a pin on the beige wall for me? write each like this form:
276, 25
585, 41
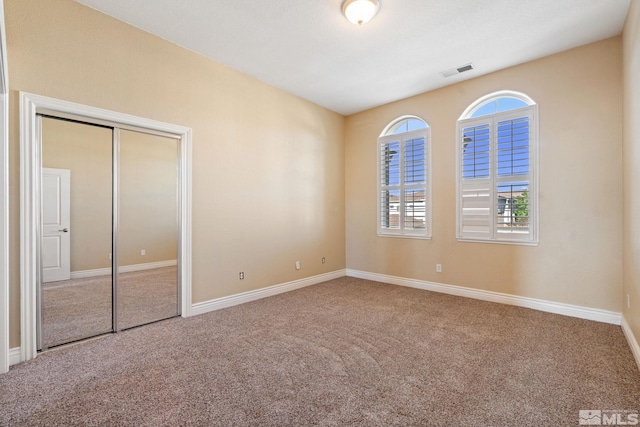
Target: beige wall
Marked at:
631, 167
579, 258
268, 167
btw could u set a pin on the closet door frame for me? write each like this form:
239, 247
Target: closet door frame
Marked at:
30, 199
5, 357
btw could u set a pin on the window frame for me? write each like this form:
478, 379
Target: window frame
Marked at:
465, 121
401, 138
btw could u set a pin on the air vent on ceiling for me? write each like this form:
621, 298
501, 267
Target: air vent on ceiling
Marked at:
458, 70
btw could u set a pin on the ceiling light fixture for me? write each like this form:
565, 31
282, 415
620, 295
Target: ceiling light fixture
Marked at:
360, 11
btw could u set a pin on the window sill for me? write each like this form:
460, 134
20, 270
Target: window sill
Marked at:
404, 236
499, 242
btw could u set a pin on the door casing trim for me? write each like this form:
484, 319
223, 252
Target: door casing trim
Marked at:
30, 162
5, 352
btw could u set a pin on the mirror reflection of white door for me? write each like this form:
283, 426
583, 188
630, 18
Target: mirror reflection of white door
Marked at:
56, 223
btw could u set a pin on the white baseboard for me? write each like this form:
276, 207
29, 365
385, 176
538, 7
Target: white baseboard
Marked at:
14, 356
82, 274
124, 269
231, 300
631, 339
536, 304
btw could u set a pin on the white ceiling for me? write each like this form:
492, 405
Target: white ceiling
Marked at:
309, 49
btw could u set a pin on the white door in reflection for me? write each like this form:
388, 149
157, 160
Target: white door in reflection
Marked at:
56, 223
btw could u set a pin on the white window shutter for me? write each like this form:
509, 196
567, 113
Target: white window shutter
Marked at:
476, 202
390, 175
513, 167
415, 180
476, 209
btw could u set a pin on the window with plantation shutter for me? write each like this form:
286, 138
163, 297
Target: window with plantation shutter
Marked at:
404, 188
496, 159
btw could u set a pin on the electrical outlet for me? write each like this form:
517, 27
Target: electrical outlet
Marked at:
438, 268
242, 275
143, 252
297, 265
628, 301
323, 260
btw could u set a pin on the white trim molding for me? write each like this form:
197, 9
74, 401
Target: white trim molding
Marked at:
241, 298
30, 106
14, 356
596, 314
5, 357
631, 339
498, 94
81, 274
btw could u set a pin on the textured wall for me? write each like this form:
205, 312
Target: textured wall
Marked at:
268, 167
579, 257
631, 150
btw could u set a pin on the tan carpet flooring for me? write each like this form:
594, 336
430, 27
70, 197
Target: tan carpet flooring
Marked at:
345, 352
81, 308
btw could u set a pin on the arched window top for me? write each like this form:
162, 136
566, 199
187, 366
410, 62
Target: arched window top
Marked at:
497, 102
404, 124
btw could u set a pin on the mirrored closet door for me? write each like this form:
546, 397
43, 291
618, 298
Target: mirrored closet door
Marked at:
147, 229
108, 230
76, 290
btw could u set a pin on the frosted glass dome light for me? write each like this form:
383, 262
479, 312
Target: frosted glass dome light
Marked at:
360, 11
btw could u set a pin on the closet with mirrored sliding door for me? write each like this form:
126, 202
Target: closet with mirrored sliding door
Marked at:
108, 235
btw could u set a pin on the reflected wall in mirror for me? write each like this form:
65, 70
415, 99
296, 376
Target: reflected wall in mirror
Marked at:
147, 281
76, 290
